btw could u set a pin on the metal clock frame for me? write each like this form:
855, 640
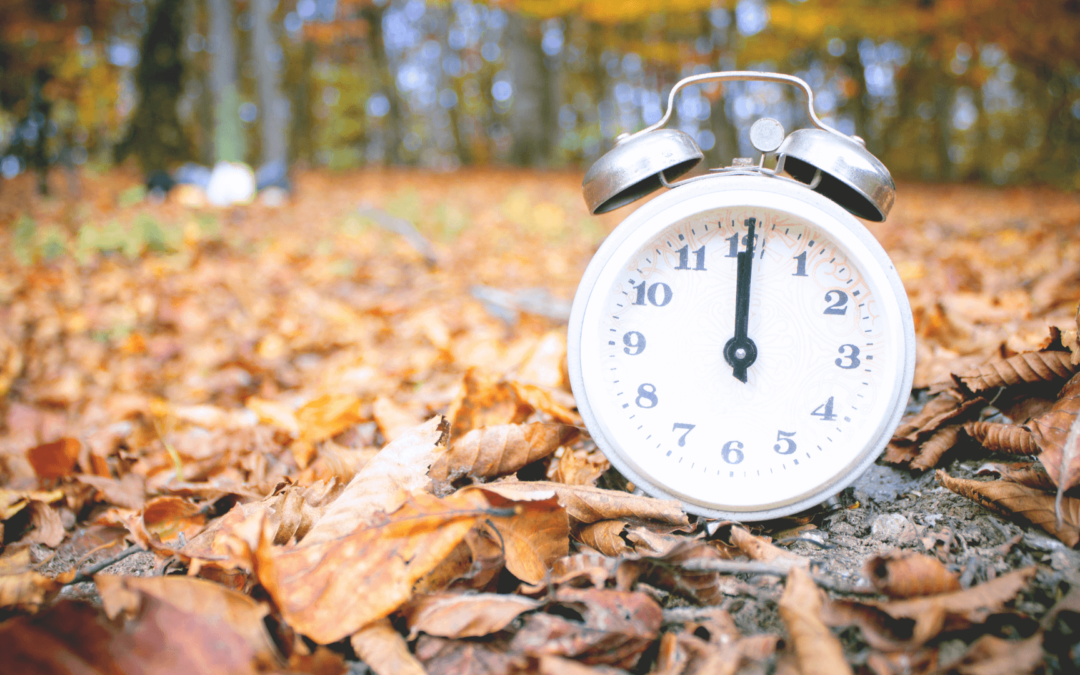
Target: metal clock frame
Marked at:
651, 218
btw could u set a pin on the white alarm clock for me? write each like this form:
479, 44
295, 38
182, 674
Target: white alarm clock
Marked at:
742, 343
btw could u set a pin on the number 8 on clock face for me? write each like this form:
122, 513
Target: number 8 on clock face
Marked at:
742, 344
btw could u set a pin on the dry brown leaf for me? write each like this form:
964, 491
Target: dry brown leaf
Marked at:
1048, 366
455, 615
578, 467
1058, 435
485, 401
1030, 474
13, 501
384, 482
997, 437
384, 650
544, 365
605, 536
909, 624
20, 585
668, 572
906, 574
462, 657
330, 589
231, 612
496, 451
756, 548
991, 655
931, 451
48, 528
128, 492
817, 649
532, 539
394, 420
169, 517
589, 504
540, 399
615, 627
56, 459
327, 416
1008, 499
907, 442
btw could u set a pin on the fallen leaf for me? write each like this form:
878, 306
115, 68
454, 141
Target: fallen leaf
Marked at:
128, 492
533, 538
328, 416
20, 585
817, 649
756, 548
455, 615
207, 607
1008, 499
606, 536
589, 504
909, 624
485, 401
462, 657
56, 459
1029, 474
383, 484
394, 420
496, 451
614, 628
989, 655
932, 450
1043, 366
47, 526
541, 399
331, 588
1058, 435
673, 572
384, 650
14, 501
578, 467
997, 437
906, 574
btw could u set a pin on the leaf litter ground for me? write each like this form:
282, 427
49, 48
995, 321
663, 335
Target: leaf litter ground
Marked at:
337, 434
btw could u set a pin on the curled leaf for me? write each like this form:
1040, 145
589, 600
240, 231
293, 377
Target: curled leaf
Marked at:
997, 437
56, 459
384, 650
905, 574
931, 451
605, 536
817, 649
503, 449
454, 615
589, 504
1026, 367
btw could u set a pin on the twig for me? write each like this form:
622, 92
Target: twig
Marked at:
402, 228
759, 568
89, 573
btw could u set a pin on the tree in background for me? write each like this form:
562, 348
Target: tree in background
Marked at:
273, 107
229, 142
155, 135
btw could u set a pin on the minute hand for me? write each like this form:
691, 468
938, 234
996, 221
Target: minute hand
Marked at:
740, 351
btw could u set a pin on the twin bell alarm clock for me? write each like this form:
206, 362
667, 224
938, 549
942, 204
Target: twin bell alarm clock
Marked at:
742, 343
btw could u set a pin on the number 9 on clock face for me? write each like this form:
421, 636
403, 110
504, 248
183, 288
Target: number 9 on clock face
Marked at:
826, 347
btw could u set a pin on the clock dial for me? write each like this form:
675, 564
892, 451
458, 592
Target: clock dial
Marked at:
746, 431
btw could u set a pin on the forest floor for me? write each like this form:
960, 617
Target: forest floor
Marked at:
208, 391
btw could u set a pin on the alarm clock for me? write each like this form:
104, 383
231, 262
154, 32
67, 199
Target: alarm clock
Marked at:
742, 343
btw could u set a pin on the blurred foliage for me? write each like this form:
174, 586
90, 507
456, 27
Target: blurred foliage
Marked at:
940, 89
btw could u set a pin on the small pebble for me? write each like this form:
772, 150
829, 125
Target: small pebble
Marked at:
893, 528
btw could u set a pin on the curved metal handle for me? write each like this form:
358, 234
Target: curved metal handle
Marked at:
744, 76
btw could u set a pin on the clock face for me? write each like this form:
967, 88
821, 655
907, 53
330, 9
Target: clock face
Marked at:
825, 338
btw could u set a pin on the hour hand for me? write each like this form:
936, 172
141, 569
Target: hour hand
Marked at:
740, 351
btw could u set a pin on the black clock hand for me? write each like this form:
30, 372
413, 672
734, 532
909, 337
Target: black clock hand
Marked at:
740, 351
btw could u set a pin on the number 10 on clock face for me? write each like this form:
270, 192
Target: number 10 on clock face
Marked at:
743, 358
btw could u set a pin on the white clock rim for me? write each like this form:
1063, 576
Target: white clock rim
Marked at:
727, 191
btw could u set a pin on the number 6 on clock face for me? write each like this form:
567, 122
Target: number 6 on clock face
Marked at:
815, 320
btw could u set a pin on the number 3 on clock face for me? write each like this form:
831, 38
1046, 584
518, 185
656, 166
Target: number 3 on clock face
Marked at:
824, 317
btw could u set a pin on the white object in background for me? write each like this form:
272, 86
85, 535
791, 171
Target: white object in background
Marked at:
231, 183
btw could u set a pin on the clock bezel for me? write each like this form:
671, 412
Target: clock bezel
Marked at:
717, 192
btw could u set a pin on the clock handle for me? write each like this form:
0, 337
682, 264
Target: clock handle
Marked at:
744, 76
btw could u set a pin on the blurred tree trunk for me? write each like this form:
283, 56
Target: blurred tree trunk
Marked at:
943, 97
531, 112
273, 107
300, 98
228, 132
196, 75
855, 106
723, 127
156, 136
387, 86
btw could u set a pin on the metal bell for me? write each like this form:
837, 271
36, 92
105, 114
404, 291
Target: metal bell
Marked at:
839, 168
633, 168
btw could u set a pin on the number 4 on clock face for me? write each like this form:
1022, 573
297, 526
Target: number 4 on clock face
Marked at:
825, 411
